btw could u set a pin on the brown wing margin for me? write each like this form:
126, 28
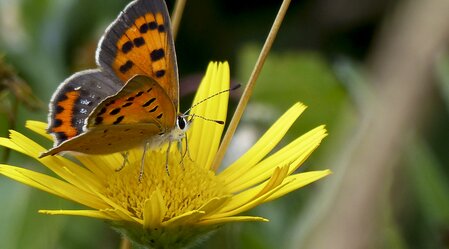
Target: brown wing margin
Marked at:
139, 42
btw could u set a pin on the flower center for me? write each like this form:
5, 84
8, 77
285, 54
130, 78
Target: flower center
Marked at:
187, 188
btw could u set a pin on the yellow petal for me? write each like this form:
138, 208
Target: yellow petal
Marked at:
265, 144
95, 165
310, 144
290, 184
299, 180
277, 178
38, 127
101, 165
194, 216
294, 153
98, 214
183, 219
71, 172
214, 204
52, 186
120, 210
232, 219
5, 142
205, 135
154, 210
29, 147
260, 191
248, 205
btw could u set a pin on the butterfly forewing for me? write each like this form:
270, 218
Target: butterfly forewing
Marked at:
140, 42
141, 100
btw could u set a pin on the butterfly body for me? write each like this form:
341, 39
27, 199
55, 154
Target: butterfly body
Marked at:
132, 98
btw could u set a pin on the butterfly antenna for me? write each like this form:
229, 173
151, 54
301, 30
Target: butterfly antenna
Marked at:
142, 162
204, 118
211, 96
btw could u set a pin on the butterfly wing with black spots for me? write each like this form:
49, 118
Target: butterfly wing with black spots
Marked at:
139, 113
74, 100
139, 42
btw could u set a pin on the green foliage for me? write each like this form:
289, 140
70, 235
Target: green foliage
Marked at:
290, 77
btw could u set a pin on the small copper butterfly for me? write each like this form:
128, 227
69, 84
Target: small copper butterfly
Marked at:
132, 98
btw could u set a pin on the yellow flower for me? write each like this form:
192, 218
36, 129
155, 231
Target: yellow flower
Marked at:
173, 210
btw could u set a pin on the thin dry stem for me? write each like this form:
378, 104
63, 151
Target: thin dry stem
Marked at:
176, 16
125, 243
250, 85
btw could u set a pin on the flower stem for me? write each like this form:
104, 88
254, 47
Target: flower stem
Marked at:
176, 16
250, 85
125, 243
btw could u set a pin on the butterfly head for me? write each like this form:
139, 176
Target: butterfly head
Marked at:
181, 127
182, 123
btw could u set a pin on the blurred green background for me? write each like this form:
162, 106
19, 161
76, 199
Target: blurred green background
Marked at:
321, 58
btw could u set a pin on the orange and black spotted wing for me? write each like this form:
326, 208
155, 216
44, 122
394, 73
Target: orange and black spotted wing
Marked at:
138, 113
140, 42
75, 99
141, 101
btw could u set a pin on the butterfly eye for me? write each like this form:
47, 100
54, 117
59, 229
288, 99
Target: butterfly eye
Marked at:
181, 123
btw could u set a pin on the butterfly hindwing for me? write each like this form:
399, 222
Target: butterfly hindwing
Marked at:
74, 100
139, 42
142, 100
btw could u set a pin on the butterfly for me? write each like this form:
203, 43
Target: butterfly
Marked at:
132, 98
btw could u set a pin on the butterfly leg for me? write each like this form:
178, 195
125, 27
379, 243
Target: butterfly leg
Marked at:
166, 158
125, 160
179, 142
142, 162
186, 151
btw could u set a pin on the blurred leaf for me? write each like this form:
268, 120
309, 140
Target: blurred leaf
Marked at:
393, 237
295, 76
430, 181
11, 82
443, 76
13, 212
354, 79
35, 14
13, 91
